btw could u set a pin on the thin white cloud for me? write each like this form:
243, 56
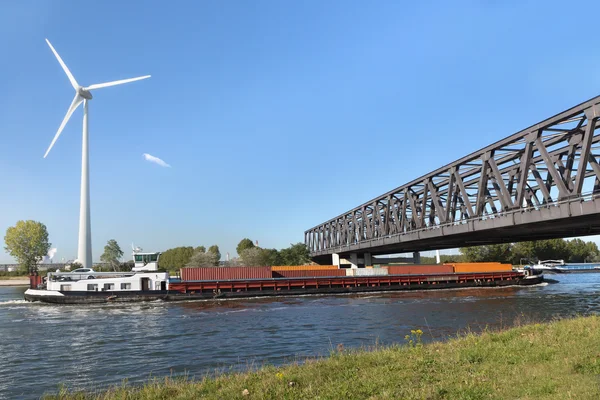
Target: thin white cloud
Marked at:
156, 160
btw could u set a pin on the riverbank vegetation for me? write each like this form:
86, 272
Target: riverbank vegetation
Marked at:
571, 251
28, 243
556, 360
250, 254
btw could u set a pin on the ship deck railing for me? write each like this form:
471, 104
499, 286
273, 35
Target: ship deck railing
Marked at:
77, 276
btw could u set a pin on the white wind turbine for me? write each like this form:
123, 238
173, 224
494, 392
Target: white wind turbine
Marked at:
83, 95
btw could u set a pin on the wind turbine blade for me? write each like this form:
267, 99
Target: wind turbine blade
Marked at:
64, 67
113, 83
77, 100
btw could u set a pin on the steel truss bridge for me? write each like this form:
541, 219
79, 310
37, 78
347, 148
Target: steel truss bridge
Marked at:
542, 182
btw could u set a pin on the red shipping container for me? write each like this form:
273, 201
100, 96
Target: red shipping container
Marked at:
420, 269
225, 273
308, 273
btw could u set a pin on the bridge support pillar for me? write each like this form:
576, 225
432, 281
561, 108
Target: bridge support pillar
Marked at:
353, 260
417, 257
368, 259
335, 259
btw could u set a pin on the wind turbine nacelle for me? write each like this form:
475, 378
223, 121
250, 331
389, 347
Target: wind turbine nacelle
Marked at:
84, 93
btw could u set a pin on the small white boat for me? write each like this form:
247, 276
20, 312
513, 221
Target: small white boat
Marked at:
548, 266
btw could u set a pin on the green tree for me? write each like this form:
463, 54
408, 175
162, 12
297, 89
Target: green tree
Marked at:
552, 249
127, 265
112, 254
272, 257
203, 259
593, 252
493, 252
580, 251
523, 252
176, 258
253, 257
214, 249
296, 254
244, 244
27, 242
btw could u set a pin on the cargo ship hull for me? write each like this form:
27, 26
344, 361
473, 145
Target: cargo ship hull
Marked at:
232, 289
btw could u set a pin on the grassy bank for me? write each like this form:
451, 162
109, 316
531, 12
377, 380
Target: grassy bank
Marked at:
557, 360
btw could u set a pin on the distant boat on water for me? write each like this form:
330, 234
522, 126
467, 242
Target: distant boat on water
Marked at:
559, 266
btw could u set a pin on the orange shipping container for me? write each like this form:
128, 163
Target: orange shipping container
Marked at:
473, 263
482, 267
420, 269
303, 267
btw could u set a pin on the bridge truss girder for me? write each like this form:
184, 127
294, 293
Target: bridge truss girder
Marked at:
548, 164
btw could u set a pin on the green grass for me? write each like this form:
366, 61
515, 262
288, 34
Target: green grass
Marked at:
556, 360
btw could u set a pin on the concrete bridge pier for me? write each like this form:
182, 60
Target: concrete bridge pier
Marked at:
368, 259
417, 257
335, 259
353, 260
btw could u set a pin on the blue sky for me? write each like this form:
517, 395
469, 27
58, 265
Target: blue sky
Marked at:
275, 115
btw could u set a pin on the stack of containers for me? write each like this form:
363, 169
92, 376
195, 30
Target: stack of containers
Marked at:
301, 271
224, 273
481, 267
308, 273
367, 271
420, 269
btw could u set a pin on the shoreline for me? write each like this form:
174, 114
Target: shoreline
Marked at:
14, 282
537, 360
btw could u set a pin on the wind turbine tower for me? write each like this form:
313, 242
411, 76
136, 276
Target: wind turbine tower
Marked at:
83, 95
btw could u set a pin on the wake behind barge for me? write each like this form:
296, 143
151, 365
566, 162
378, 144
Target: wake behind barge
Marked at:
145, 283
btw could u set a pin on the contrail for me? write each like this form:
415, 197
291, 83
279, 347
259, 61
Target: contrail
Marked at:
156, 160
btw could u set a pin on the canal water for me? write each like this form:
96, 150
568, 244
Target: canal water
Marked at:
93, 346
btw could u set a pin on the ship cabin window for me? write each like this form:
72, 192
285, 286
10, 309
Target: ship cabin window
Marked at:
109, 286
65, 288
92, 287
125, 286
146, 258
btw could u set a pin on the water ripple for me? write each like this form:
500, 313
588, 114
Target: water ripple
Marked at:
94, 346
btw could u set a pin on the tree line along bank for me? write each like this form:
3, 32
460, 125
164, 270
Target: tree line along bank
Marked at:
28, 243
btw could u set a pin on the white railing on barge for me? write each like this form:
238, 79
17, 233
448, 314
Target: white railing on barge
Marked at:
94, 281
77, 276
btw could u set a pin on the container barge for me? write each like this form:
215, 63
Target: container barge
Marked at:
145, 283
